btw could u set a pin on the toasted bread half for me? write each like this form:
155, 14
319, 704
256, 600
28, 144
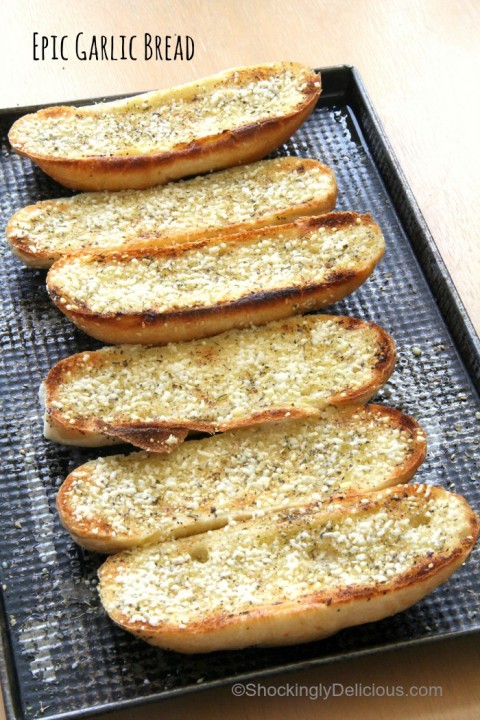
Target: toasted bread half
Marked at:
294, 577
153, 396
268, 192
232, 118
154, 297
117, 502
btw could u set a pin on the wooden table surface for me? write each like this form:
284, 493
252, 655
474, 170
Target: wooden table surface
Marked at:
419, 60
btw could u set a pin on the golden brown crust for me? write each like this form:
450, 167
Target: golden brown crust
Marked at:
23, 244
254, 307
384, 366
419, 449
314, 615
92, 431
233, 146
96, 533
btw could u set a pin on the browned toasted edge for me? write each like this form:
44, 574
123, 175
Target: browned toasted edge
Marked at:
237, 146
314, 616
385, 363
257, 308
42, 259
96, 429
418, 450
103, 541
20, 245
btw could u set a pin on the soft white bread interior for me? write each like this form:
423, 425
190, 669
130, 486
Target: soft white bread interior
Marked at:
268, 192
120, 501
153, 396
235, 117
294, 577
154, 297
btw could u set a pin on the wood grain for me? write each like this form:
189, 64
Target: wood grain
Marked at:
419, 62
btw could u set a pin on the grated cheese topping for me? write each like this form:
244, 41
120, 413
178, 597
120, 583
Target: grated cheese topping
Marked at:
264, 467
164, 120
296, 363
234, 570
218, 272
238, 196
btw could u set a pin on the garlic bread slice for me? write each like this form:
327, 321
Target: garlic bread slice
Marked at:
117, 502
294, 577
154, 297
231, 118
268, 192
153, 396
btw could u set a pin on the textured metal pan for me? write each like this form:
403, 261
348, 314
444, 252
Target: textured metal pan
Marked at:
62, 657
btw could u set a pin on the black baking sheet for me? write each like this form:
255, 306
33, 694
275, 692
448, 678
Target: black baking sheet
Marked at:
62, 657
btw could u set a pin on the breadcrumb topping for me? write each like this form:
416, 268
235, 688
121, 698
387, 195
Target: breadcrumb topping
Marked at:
296, 363
218, 272
269, 466
234, 570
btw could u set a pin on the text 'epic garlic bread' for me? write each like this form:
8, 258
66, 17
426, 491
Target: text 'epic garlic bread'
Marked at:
269, 192
175, 294
299, 576
152, 396
121, 501
235, 117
